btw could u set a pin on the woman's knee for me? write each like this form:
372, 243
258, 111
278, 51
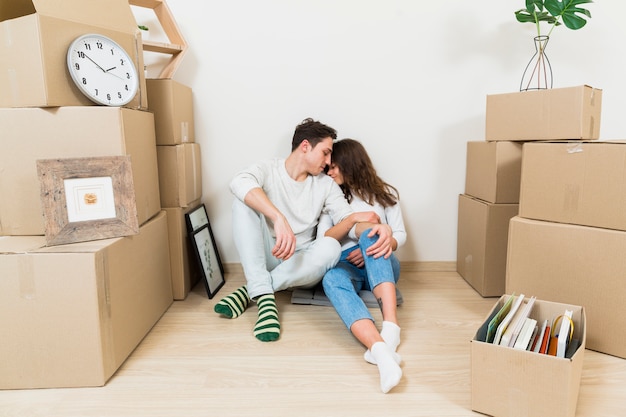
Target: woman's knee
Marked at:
365, 241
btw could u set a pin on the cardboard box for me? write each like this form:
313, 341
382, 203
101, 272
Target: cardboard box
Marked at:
483, 230
576, 182
511, 382
573, 264
557, 113
493, 171
37, 34
71, 132
172, 105
72, 314
184, 268
180, 174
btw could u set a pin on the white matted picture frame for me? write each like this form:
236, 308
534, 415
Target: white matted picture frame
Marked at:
205, 249
87, 199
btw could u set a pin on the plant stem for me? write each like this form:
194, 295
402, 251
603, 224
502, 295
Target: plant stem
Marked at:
552, 27
537, 23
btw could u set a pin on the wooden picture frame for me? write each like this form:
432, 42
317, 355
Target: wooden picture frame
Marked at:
87, 199
205, 250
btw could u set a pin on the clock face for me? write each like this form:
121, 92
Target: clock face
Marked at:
102, 70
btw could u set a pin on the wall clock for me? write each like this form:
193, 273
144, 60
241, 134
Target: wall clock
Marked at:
102, 70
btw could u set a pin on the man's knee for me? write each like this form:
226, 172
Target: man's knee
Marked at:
328, 250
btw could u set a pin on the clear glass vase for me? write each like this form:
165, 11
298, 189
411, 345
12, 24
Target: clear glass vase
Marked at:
538, 72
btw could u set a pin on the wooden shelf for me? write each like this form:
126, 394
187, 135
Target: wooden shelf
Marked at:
177, 46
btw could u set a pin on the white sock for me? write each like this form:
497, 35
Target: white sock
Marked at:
391, 335
390, 372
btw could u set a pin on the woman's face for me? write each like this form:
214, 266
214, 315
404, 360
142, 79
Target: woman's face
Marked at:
335, 173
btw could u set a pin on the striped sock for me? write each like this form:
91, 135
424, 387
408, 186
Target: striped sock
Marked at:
267, 327
235, 304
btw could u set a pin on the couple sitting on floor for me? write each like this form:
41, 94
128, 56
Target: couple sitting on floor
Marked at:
294, 226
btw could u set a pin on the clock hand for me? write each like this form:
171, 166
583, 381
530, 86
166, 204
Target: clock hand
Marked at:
113, 74
95, 63
112, 68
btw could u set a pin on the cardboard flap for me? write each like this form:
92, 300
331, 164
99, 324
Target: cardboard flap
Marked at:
20, 244
110, 14
10, 9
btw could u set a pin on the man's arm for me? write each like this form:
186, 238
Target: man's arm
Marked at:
341, 229
285, 238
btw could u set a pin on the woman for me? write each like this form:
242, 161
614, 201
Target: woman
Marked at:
357, 270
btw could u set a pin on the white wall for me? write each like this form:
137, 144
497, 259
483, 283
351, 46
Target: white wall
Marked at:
407, 78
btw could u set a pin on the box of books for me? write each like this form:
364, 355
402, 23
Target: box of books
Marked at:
527, 356
573, 264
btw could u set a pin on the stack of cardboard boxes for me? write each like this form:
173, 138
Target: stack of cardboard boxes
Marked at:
493, 172
507, 381
490, 200
71, 314
180, 174
568, 242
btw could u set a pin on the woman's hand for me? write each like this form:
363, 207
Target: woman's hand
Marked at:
384, 245
356, 258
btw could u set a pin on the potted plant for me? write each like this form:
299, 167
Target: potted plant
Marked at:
554, 13
144, 30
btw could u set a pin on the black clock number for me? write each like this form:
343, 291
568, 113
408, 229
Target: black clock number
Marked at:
108, 96
77, 66
88, 46
119, 95
96, 91
99, 45
84, 81
122, 62
80, 54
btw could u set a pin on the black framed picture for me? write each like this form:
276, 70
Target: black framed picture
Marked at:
205, 249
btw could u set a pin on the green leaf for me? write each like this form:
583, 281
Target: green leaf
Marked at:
524, 16
568, 11
532, 5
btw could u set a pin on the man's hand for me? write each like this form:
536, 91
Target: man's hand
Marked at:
285, 239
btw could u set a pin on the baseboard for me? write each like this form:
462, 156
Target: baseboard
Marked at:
431, 266
435, 266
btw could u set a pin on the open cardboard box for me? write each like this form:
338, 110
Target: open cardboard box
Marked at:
512, 382
36, 35
573, 264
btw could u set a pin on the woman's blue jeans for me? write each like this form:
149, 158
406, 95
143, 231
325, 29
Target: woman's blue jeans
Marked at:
343, 282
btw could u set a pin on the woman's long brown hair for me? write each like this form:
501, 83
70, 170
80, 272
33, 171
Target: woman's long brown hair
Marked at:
359, 176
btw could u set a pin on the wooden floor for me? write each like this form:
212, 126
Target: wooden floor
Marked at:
195, 363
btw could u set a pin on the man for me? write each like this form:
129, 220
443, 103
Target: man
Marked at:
275, 215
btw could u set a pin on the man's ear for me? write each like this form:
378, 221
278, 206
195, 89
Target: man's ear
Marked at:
305, 145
